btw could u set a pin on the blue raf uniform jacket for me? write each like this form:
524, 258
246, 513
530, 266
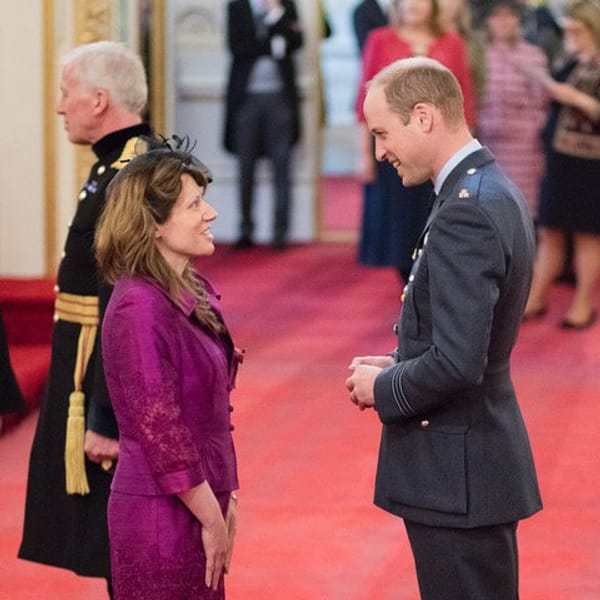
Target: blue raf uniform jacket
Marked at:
454, 449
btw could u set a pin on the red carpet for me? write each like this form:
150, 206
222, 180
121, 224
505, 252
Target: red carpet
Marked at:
341, 204
308, 529
27, 307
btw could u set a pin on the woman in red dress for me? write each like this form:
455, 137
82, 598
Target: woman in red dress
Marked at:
394, 216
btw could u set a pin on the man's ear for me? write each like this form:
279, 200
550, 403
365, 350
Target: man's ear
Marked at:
424, 115
102, 100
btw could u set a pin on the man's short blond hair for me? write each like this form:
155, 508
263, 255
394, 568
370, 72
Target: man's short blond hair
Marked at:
409, 81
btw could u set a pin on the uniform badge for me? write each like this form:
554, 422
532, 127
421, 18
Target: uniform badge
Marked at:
464, 193
92, 186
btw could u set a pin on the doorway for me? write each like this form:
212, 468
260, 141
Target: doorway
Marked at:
341, 192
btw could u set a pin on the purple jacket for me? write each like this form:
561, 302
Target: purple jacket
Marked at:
169, 381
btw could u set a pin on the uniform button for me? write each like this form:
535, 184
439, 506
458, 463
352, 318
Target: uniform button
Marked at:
63, 254
55, 317
471, 171
395, 328
101, 169
82, 194
425, 423
411, 278
56, 289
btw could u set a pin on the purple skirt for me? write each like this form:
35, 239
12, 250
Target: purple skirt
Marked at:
156, 549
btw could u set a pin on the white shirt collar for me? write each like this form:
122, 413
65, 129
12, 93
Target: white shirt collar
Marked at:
258, 6
467, 149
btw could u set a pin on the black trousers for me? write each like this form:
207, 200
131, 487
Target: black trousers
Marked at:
264, 127
465, 564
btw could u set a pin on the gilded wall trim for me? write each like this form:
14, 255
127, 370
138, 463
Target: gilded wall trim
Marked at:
158, 53
93, 21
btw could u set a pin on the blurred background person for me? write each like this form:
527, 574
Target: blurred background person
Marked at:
514, 105
368, 15
540, 21
262, 106
103, 92
169, 379
456, 17
11, 398
569, 189
394, 215
541, 26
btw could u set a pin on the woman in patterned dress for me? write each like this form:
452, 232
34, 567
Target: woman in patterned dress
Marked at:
514, 106
569, 204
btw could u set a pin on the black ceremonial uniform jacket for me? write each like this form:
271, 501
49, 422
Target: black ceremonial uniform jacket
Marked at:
454, 449
77, 273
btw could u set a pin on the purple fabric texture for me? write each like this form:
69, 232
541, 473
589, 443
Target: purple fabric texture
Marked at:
169, 380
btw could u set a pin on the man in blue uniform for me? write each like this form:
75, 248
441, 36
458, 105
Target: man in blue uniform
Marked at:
455, 461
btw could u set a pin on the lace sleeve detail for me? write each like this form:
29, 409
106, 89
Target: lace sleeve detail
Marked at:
142, 360
155, 413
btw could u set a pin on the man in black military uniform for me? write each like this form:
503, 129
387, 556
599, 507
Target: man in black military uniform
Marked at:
103, 92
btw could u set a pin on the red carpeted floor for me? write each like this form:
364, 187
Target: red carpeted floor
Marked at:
308, 529
341, 207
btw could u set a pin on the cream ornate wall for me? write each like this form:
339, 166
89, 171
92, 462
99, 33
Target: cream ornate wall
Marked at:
21, 142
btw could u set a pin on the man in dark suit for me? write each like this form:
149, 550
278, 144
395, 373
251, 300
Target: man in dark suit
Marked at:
262, 106
368, 15
455, 461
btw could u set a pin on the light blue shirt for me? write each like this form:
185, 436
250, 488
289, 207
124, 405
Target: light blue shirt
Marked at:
467, 149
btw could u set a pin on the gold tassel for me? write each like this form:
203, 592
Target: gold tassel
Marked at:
75, 475
82, 310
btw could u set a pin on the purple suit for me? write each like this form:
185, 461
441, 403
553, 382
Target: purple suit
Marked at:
169, 380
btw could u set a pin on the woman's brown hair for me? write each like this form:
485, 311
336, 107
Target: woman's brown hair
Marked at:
586, 11
140, 197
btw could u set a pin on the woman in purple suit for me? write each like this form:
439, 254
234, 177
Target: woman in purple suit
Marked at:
170, 366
